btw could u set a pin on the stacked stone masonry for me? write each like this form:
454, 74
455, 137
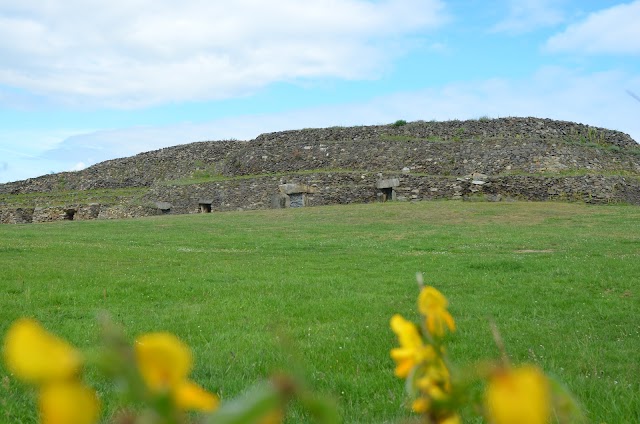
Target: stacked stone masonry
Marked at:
500, 159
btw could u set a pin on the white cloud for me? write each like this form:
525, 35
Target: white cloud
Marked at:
22, 152
610, 31
142, 52
528, 15
78, 166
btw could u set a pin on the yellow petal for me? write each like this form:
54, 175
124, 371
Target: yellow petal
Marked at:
68, 403
410, 342
437, 319
429, 299
400, 353
420, 405
404, 367
189, 396
519, 396
163, 360
407, 332
448, 319
433, 305
36, 356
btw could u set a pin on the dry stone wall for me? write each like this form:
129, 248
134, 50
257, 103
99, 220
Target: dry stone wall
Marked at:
16, 215
430, 157
501, 159
481, 129
344, 188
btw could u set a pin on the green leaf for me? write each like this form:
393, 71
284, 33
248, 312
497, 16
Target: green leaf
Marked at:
259, 401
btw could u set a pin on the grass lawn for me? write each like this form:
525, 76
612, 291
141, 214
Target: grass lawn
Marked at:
256, 292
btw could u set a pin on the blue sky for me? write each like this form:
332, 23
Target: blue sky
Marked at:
86, 81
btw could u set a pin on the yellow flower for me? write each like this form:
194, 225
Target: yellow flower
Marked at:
432, 389
163, 360
519, 396
434, 385
433, 305
438, 371
190, 396
420, 405
412, 350
36, 356
68, 403
164, 363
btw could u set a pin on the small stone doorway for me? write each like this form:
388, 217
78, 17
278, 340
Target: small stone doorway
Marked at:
292, 195
205, 207
387, 189
69, 214
387, 193
165, 207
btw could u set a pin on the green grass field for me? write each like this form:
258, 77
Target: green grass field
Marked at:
257, 292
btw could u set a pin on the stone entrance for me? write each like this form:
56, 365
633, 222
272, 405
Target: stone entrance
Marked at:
69, 214
387, 189
291, 196
165, 207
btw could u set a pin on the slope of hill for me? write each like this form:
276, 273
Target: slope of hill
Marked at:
491, 159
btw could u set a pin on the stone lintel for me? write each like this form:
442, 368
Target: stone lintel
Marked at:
291, 188
388, 183
165, 206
